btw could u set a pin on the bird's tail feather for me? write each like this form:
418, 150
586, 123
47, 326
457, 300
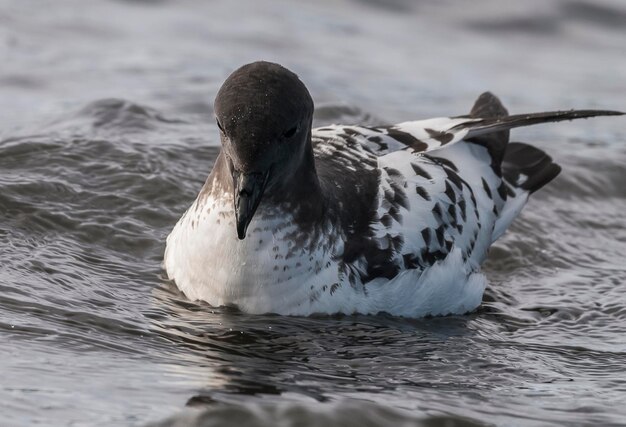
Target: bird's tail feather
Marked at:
527, 167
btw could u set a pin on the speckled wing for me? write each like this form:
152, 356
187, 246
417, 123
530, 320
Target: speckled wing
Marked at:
417, 193
432, 134
418, 206
418, 136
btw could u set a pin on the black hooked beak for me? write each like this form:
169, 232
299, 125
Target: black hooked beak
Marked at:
249, 188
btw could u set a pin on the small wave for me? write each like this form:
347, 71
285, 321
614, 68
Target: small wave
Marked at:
344, 414
119, 115
552, 22
345, 114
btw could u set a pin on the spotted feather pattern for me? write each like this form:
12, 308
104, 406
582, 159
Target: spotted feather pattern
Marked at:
410, 213
417, 136
430, 200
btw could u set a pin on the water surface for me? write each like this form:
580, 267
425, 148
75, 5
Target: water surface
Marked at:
106, 136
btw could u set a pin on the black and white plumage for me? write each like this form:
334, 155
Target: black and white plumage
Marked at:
294, 220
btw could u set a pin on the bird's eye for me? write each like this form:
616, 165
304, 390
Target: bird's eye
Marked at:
291, 132
219, 125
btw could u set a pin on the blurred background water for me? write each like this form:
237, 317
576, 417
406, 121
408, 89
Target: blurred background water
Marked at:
106, 136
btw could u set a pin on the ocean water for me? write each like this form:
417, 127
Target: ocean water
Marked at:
106, 136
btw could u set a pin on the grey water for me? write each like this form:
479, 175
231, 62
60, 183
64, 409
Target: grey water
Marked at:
107, 134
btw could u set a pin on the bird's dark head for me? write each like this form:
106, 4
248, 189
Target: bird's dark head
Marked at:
264, 113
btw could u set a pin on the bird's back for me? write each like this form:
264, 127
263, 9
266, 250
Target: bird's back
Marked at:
407, 195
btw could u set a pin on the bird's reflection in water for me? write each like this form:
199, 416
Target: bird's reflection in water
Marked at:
225, 353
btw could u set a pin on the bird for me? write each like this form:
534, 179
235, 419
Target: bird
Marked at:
351, 219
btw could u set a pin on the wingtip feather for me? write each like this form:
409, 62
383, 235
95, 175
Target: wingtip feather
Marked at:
489, 125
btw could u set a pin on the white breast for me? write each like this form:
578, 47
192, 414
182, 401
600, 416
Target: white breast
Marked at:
271, 270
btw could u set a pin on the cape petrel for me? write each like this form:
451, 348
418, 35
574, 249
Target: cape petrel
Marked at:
351, 219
